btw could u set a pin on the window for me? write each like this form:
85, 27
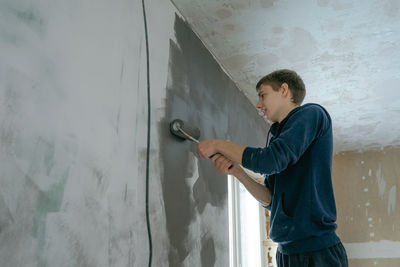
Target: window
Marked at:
244, 226
248, 227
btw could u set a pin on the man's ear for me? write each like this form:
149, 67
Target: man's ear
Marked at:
285, 89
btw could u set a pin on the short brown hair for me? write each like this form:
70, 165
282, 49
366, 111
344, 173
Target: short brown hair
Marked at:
295, 83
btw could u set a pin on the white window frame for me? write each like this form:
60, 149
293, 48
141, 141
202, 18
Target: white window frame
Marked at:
233, 205
235, 239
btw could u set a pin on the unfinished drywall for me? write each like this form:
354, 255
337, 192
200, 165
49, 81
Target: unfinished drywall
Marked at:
366, 185
73, 132
195, 195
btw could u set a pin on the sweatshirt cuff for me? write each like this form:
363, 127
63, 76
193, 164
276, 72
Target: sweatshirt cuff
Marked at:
247, 158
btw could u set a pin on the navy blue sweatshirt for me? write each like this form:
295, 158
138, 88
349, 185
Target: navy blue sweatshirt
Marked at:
297, 163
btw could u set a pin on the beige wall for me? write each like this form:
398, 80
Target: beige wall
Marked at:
366, 185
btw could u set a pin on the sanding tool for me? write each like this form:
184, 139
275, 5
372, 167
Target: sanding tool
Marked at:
185, 131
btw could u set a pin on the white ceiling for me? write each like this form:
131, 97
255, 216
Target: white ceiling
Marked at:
348, 53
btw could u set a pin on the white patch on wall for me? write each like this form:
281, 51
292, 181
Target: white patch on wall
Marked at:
380, 249
191, 180
381, 182
392, 200
198, 227
371, 234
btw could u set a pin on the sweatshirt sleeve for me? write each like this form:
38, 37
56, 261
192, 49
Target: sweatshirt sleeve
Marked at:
301, 129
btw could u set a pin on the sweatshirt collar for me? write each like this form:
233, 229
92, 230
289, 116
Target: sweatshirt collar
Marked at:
276, 127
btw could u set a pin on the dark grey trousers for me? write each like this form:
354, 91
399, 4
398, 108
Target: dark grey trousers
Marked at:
334, 256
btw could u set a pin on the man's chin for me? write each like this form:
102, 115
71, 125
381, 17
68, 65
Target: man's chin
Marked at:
267, 120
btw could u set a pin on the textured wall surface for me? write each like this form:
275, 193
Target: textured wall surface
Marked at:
367, 197
195, 196
73, 137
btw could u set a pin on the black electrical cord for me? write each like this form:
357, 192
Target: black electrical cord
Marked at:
148, 135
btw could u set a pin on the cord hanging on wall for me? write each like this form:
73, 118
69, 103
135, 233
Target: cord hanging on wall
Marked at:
148, 135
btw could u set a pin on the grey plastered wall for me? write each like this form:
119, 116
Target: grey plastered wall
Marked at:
73, 135
195, 195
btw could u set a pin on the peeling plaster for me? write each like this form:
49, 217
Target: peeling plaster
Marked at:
381, 181
392, 200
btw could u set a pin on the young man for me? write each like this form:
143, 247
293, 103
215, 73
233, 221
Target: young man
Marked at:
297, 163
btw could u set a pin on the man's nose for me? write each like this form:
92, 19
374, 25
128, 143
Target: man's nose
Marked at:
258, 105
